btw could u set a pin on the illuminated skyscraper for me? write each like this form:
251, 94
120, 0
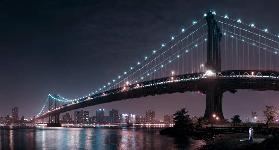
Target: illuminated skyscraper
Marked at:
114, 116
150, 116
100, 115
15, 114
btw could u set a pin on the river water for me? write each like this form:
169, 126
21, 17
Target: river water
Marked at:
92, 138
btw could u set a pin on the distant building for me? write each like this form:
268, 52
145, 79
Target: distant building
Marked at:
92, 119
100, 116
150, 116
114, 116
140, 119
124, 118
168, 119
78, 117
86, 117
128, 118
15, 114
2, 120
8, 119
67, 118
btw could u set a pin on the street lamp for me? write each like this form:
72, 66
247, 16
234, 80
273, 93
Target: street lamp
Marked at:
202, 67
209, 73
214, 115
172, 73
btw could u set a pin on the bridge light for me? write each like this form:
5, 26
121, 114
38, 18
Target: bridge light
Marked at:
278, 35
145, 58
138, 63
265, 30
163, 45
202, 67
172, 73
252, 25
169, 61
225, 33
214, 12
209, 73
252, 73
178, 56
214, 115
238, 20
204, 14
194, 22
182, 30
148, 74
226, 17
162, 66
186, 51
275, 52
131, 68
154, 51
172, 38
205, 39
119, 77
125, 72
196, 45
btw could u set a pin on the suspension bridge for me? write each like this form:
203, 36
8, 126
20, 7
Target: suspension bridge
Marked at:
213, 55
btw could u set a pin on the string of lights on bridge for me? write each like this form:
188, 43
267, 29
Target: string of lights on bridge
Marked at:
147, 59
183, 30
159, 66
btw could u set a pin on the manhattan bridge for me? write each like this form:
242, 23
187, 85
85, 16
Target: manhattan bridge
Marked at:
213, 55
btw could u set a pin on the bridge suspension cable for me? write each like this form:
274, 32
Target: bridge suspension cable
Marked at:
245, 47
147, 60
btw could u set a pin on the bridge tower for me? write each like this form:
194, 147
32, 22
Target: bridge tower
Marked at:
53, 120
213, 93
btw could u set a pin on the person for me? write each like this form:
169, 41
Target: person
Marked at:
251, 132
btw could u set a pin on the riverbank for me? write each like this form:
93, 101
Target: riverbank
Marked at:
233, 141
227, 140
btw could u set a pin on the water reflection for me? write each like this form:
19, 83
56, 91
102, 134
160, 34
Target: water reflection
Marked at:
90, 138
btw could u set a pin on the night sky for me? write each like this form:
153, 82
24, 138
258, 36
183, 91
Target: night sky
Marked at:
71, 47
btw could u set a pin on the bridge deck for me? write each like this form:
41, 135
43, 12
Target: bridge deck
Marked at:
229, 80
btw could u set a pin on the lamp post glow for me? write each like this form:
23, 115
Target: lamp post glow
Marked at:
209, 73
202, 67
214, 115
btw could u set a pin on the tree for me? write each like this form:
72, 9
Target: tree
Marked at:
236, 119
201, 121
270, 114
182, 120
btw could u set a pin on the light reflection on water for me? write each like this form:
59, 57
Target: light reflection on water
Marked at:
91, 138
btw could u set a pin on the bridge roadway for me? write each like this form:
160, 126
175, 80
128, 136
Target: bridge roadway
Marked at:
230, 80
